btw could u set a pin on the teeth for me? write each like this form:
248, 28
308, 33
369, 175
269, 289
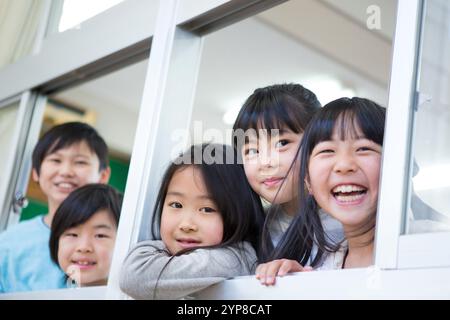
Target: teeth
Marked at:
347, 189
349, 198
65, 185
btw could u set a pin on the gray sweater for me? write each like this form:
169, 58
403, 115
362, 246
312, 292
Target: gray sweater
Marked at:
278, 226
184, 274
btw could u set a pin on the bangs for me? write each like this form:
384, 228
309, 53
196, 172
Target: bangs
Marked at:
270, 119
273, 114
347, 126
278, 107
350, 120
65, 143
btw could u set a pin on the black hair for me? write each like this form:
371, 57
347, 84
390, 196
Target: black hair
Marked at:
227, 185
68, 134
275, 107
347, 116
79, 206
240, 207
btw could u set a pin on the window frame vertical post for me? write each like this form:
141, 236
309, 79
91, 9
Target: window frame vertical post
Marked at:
394, 186
173, 67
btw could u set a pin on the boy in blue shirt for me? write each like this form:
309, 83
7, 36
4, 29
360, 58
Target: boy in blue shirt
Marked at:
67, 157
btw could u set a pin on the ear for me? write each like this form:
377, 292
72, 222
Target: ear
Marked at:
308, 186
105, 174
35, 175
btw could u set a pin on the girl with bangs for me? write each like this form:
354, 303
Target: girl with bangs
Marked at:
340, 161
207, 223
267, 134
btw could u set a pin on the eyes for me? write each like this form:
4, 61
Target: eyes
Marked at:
207, 210
251, 150
78, 162
75, 235
54, 160
175, 205
281, 143
330, 147
178, 205
81, 162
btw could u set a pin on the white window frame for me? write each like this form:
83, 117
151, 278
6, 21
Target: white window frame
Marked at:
14, 158
395, 168
394, 248
30, 129
174, 59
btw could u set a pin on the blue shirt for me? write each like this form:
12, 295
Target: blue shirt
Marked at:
25, 262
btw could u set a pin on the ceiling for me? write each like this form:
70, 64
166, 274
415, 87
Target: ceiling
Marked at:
322, 44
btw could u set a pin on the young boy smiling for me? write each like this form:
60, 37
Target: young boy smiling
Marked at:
66, 157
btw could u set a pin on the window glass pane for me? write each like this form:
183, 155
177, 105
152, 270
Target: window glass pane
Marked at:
8, 115
103, 102
110, 104
19, 23
75, 12
290, 43
430, 183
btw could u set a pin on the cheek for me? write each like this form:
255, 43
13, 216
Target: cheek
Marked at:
294, 173
44, 174
89, 175
215, 231
104, 252
317, 181
64, 253
287, 157
166, 226
250, 170
374, 177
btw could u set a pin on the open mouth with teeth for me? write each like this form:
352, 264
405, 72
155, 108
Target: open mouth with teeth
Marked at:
66, 186
349, 193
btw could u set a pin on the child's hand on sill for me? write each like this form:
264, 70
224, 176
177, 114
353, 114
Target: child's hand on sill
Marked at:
267, 272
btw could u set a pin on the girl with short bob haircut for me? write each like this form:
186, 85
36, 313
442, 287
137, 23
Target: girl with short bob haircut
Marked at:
83, 234
340, 161
207, 223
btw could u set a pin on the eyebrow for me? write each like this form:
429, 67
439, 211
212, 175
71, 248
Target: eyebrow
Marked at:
58, 153
103, 226
346, 138
180, 194
283, 131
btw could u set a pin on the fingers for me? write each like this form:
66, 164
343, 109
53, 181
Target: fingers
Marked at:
266, 273
272, 271
263, 272
307, 268
289, 266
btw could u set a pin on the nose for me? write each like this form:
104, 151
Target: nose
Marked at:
66, 169
345, 163
84, 245
187, 223
268, 157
